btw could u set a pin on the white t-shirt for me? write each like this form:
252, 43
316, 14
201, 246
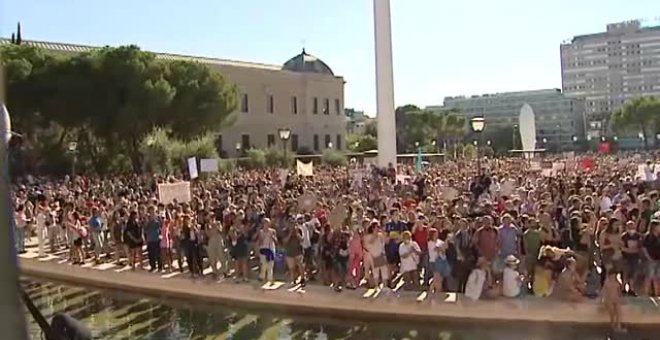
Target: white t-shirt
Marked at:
437, 249
409, 263
511, 283
307, 229
475, 284
605, 203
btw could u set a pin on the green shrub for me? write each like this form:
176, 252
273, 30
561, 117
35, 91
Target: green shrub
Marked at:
278, 158
256, 158
334, 158
226, 165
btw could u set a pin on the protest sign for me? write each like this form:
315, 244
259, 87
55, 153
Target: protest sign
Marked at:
169, 192
208, 165
305, 169
192, 167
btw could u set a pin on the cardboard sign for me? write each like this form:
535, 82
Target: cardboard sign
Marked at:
305, 169
449, 194
307, 201
169, 192
356, 181
507, 188
192, 167
587, 164
208, 165
337, 217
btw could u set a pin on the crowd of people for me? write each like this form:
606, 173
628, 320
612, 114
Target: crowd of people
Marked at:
505, 230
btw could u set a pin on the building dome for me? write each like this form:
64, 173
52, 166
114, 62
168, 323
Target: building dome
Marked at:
307, 63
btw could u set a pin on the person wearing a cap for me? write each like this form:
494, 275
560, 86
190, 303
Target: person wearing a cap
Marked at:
512, 280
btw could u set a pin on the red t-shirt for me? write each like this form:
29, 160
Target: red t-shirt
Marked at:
421, 236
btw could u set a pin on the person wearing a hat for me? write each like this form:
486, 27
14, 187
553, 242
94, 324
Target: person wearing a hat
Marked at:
512, 281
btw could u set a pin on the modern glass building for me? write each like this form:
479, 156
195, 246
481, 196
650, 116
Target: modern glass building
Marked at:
557, 117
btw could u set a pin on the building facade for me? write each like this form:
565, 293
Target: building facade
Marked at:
609, 68
558, 118
356, 121
303, 95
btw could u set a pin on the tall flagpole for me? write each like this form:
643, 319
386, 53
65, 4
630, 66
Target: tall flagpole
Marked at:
12, 321
384, 84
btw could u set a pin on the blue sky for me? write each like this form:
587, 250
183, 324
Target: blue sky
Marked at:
441, 48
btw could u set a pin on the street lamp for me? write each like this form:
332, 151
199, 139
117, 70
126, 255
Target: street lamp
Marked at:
488, 142
615, 138
73, 149
515, 136
329, 145
434, 143
238, 149
284, 134
478, 124
575, 139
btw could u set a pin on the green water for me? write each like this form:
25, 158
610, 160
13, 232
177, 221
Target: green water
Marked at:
112, 315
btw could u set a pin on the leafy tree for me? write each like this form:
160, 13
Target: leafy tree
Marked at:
215, 100
109, 100
425, 126
640, 114
361, 143
24, 69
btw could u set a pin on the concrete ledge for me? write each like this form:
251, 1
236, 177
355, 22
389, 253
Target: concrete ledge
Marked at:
321, 301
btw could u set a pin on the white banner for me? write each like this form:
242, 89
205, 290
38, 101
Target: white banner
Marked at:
192, 167
305, 169
208, 165
169, 192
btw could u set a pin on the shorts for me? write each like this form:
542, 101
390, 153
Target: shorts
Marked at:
653, 269
442, 267
382, 272
630, 267
78, 242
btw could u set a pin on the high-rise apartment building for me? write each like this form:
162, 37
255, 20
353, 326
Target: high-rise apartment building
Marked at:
609, 68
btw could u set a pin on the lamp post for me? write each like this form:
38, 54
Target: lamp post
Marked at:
478, 124
515, 136
284, 134
73, 149
238, 150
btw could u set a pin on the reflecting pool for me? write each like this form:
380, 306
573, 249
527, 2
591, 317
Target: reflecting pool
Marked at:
113, 315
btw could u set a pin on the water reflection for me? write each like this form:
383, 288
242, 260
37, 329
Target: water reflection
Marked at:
112, 315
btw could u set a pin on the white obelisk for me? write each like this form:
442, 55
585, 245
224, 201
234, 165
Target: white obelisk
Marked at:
384, 84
